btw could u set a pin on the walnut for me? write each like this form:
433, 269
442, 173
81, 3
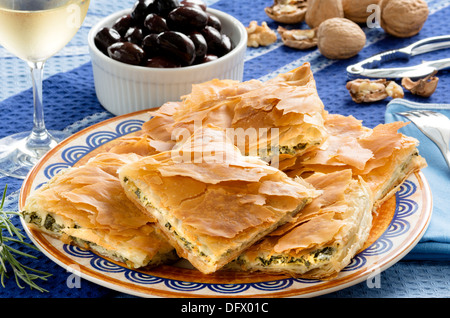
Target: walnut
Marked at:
298, 39
394, 90
366, 91
287, 11
260, 35
403, 18
340, 38
356, 10
424, 87
321, 10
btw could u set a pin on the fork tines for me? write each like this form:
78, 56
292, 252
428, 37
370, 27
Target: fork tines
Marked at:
417, 113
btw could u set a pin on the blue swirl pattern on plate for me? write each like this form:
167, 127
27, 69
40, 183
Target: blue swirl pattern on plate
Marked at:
398, 226
72, 154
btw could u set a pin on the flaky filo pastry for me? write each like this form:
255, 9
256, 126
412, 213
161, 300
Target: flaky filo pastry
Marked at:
382, 156
357, 168
211, 201
87, 206
323, 238
283, 114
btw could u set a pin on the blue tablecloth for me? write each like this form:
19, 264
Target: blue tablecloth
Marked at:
71, 104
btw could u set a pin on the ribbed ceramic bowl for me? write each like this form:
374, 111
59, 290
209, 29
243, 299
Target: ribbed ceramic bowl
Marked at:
122, 88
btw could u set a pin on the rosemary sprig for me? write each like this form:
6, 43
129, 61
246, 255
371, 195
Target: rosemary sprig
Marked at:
22, 273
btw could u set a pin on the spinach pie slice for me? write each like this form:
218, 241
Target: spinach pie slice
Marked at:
382, 156
323, 238
87, 206
210, 200
276, 119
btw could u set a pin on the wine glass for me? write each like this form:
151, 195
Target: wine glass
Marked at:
34, 30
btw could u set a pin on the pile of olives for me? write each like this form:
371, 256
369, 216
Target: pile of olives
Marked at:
165, 33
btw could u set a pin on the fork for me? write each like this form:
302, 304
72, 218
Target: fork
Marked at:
435, 126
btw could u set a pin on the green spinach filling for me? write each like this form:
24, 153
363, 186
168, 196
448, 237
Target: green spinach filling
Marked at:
49, 222
188, 245
321, 255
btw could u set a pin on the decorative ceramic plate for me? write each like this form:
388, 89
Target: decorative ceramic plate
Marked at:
397, 228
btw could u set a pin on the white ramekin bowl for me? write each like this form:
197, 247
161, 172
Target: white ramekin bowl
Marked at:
122, 88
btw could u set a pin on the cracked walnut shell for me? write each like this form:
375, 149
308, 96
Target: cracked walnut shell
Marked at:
366, 91
424, 87
403, 18
287, 11
260, 35
301, 39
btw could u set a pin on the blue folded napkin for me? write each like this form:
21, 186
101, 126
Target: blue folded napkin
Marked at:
435, 244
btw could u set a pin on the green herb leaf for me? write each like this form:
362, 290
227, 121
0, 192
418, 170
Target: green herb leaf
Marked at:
8, 255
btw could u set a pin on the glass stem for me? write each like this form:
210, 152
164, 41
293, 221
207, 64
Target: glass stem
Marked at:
39, 137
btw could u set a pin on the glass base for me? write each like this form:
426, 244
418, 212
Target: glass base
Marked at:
19, 153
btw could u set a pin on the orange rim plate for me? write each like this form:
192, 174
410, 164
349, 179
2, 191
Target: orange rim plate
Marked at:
396, 230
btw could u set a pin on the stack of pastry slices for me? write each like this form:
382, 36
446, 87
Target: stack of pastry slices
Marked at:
238, 176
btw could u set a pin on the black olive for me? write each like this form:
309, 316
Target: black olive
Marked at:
214, 40
126, 52
134, 35
123, 23
200, 46
178, 46
227, 45
155, 23
105, 37
214, 21
187, 19
141, 9
150, 45
163, 7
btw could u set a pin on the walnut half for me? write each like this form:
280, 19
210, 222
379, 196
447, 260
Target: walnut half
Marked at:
424, 87
260, 35
366, 91
287, 11
301, 39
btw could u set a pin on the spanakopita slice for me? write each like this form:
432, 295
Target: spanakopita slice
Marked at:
210, 200
87, 206
382, 156
325, 235
276, 119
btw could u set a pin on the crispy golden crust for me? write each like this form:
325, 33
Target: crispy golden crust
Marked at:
324, 236
285, 111
357, 169
212, 199
382, 156
87, 205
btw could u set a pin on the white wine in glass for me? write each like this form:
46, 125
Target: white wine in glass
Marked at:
35, 30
